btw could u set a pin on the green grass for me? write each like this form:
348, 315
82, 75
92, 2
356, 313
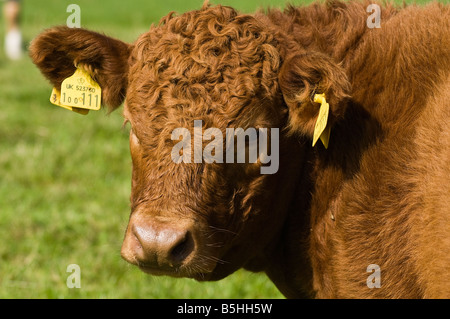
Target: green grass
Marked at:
65, 178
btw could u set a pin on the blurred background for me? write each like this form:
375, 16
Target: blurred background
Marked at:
65, 178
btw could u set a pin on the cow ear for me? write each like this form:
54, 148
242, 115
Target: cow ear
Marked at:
304, 75
58, 50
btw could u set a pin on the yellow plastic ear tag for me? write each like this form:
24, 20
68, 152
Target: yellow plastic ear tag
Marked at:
55, 98
80, 90
79, 93
321, 129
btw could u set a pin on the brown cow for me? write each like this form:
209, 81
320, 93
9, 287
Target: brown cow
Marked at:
367, 217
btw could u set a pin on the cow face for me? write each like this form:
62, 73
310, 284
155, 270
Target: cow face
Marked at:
201, 74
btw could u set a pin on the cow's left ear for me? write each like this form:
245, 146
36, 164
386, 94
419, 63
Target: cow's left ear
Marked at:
58, 50
304, 75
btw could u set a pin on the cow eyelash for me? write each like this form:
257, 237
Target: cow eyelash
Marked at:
124, 125
125, 122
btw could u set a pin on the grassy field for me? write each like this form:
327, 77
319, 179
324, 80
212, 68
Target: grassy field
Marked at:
65, 178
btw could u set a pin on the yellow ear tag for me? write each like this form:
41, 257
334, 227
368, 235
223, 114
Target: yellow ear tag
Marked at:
55, 98
81, 91
321, 129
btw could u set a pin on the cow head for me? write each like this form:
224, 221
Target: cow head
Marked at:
224, 70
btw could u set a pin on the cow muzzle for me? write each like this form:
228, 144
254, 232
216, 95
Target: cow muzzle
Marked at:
160, 246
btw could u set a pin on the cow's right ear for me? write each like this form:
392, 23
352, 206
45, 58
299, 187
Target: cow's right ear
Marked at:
58, 50
303, 75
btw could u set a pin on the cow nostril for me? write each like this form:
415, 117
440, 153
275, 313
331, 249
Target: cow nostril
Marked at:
182, 249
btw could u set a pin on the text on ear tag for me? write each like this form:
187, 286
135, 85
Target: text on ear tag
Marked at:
55, 98
81, 91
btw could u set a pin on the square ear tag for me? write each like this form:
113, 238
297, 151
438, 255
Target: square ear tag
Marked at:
321, 129
79, 93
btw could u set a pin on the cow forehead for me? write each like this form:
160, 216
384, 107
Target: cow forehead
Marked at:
210, 64
203, 57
